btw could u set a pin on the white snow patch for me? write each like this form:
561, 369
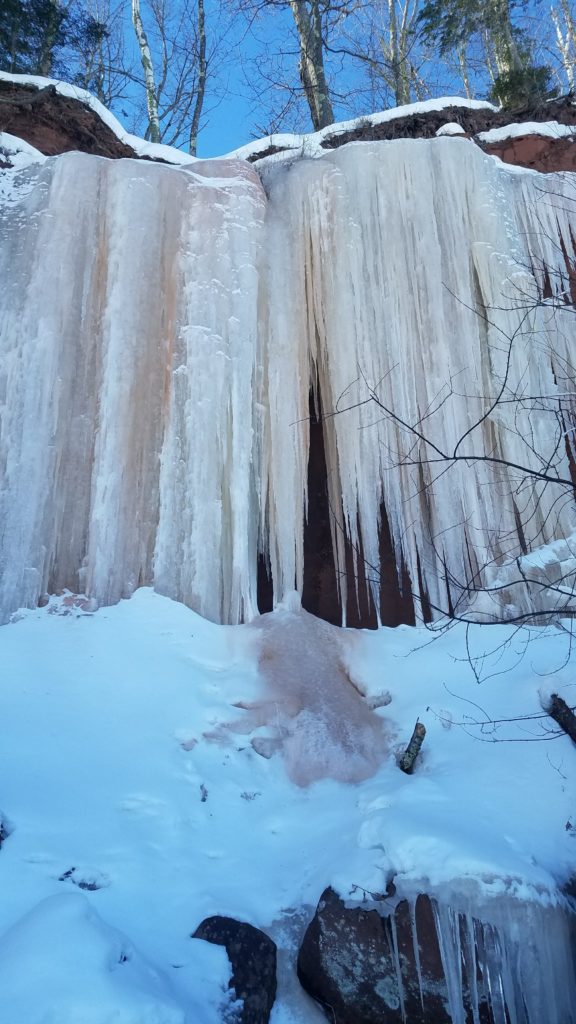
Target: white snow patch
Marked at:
548, 129
19, 153
451, 128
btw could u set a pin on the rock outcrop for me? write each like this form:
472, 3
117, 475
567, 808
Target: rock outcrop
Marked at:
55, 124
252, 955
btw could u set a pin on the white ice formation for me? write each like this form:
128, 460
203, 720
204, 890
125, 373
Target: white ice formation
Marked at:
160, 331
505, 960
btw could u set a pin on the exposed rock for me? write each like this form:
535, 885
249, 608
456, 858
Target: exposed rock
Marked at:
472, 121
55, 124
538, 152
252, 955
346, 962
367, 967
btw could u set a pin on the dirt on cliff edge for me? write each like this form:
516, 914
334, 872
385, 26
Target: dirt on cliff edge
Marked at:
56, 124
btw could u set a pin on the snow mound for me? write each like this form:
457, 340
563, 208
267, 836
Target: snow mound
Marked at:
17, 153
83, 970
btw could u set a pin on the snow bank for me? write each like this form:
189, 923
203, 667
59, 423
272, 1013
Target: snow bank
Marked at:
19, 154
110, 768
60, 964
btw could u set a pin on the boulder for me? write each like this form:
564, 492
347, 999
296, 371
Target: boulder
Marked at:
252, 955
370, 967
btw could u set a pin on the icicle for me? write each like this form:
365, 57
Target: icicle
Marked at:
448, 932
127, 374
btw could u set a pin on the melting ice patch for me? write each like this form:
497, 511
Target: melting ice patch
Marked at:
312, 711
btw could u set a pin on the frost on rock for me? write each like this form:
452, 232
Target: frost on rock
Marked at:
160, 332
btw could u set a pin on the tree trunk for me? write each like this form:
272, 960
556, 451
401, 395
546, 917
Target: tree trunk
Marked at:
202, 69
308, 23
47, 51
563, 715
566, 39
506, 52
148, 68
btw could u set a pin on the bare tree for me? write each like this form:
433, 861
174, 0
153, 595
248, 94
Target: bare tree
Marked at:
565, 31
176, 61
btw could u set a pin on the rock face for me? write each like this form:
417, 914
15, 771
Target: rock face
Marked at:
253, 958
537, 152
346, 962
57, 124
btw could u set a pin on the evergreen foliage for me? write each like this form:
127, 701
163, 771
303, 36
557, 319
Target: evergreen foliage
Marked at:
32, 32
524, 86
38, 36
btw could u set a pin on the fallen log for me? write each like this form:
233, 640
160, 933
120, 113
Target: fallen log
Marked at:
413, 749
563, 715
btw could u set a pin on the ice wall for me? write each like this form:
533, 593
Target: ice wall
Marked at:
128, 350
409, 269
160, 329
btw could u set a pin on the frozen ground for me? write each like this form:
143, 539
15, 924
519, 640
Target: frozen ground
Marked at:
138, 804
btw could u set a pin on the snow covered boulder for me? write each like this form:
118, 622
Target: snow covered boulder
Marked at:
61, 964
252, 956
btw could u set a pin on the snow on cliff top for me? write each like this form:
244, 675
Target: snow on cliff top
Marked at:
310, 144
548, 129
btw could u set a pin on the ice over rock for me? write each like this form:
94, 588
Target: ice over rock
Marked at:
161, 329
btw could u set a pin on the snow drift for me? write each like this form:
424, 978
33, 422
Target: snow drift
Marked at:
161, 330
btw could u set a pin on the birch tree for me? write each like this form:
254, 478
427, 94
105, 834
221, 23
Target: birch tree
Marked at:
565, 31
176, 62
308, 19
153, 132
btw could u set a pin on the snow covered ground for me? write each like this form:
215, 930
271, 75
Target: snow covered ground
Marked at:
138, 805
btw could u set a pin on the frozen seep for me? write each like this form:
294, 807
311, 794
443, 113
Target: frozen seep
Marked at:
160, 332
502, 959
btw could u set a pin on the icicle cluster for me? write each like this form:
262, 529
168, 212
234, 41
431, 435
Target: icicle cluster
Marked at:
160, 332
410, 270
502, 959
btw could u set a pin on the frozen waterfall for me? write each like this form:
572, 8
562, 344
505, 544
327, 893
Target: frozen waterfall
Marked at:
161, 329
